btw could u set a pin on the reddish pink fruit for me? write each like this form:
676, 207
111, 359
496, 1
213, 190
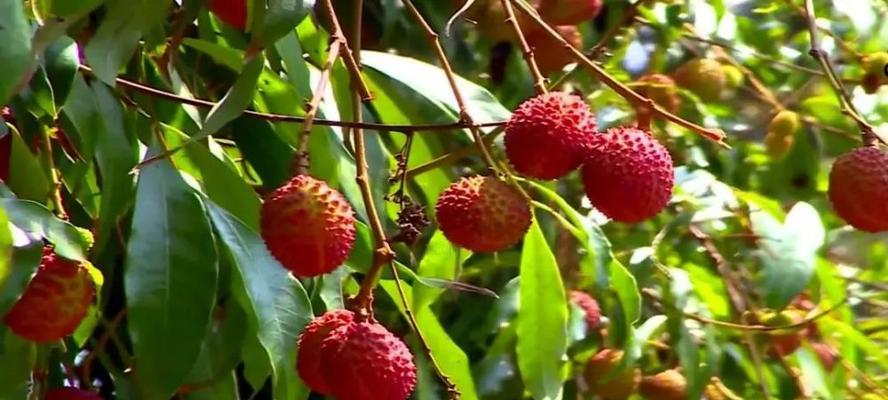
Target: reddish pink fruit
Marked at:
69, 393
858, 188
589, 306
569, 12
231, 12
826, 354
628, 175
546, 135
309, 361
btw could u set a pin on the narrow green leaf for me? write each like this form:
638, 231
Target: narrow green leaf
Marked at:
441, 260
15, 47
61, 62
236, 100
29, 180
17, 358
14, 279
281, 18
35, 218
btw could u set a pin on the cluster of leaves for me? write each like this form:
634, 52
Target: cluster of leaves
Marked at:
191, 304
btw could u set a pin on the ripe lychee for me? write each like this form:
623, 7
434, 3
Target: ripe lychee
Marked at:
667, 385
482, 214
628, 175
308, 363
826, 354
231, 12
703, 77
549, 54
364, 361
308, 226
875, 71
603, 383
546, 135
54, 302
661, 89
589, 306
858, 188
69, 393
569, 12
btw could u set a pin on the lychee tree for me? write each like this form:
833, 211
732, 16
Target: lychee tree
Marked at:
443, 199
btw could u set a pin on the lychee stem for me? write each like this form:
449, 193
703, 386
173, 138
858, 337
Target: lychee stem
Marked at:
539, 82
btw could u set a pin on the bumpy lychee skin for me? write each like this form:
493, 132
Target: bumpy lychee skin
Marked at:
55, 301
308, 363
667, 385
599, 380
546, 135
858, 188
69, 393
550, 54
628, 175
308, 226
661, 89
703, 77
589, 306
569, 12
482, 214
231, 12
367, 362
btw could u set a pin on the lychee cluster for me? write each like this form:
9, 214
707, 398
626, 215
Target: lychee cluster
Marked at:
858, 188
343, 356
308, 226
54, 302
231, 12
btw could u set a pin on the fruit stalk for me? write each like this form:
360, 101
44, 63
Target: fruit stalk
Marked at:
539, 82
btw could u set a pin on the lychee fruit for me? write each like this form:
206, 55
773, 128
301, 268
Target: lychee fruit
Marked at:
70, 393
550, 55
703, 77
783, 342
308, 226
778, 146
826, 354
231, 12
667, 385
546, 135
602, 382
628, 175
569, 12
785, 123
589, 306
661, 89
54, 302
308, 362
364, 361
858, 188
875, 71
482, 214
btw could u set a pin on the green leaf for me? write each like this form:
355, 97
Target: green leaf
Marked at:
14, 279
61, 61
542, 318
15, 47
17, 358
236, 100
29, 180
276, 303
35, 218
441, 260
67, 7
170, 279
281, 19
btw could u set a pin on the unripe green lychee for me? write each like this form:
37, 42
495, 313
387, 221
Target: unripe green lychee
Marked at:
703, 77
858, 188
549, 54
69, 393
667, 385
778, 146
308, 226
231, 12
308, 362
734, 77
875, 71
546, 136
661, 89
785, 123
569, 12
589, 306
482, 214
628, 175
604, 382
54, 302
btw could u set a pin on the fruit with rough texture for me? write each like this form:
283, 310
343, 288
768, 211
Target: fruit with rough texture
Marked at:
600, 381
482, 214
874, 71
661, 89
547, 135
364, 361
628, 175
308, 363
69, 393
54, 302
703, 77
858, 188
826, 354
569, 12
308, 226
667, 385
231, 12
589, 306
550, 54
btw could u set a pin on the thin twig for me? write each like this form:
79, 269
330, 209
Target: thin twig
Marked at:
539, 82
302, 157
627, 20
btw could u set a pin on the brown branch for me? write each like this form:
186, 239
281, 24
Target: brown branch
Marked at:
539, 82
302, 157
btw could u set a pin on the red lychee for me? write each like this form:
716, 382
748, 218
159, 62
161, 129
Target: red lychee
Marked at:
308, 363
569, 12
69, 393
607, 386
549, 54
667, 385
308, 226
482, 214
589, 306
826, 354
628, 175
54, 302
546, 135
364, 361
231, 12
858, 188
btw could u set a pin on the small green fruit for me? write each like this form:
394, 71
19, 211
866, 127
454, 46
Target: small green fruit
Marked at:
703, 77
